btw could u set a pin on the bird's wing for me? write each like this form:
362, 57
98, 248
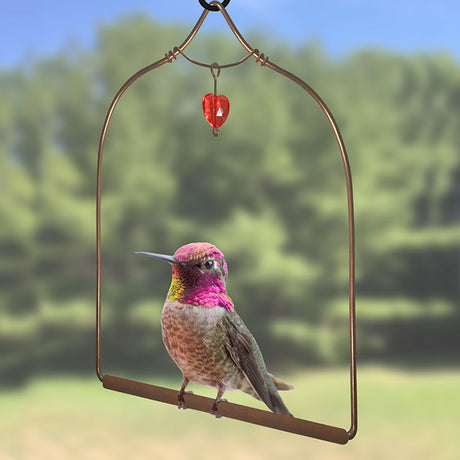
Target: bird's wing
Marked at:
246, 354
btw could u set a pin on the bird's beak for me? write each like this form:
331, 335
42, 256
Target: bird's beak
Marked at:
170, 259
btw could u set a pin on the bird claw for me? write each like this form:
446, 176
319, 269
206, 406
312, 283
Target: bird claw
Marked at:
180, 399
214, 407
181, 405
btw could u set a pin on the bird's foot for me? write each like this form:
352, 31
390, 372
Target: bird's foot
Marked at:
214, 410
180, 399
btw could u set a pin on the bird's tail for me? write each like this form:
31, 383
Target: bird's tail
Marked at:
277, 404
280, 384
270, 396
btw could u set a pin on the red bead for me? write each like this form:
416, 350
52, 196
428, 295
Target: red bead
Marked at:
215, 109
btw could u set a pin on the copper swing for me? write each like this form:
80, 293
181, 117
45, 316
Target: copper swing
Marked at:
231, 410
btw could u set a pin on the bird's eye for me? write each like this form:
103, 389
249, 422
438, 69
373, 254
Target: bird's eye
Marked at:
209, 264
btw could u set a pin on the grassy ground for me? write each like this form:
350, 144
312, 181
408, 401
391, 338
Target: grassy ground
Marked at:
402, 415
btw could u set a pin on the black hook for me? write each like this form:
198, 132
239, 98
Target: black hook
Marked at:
212, 7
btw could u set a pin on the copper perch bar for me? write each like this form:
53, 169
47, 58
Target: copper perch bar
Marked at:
230, 410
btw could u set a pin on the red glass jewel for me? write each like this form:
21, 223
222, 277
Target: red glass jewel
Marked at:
215, 109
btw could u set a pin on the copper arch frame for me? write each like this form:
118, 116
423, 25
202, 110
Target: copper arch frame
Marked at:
235, 411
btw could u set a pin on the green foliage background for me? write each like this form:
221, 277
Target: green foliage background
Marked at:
269, 192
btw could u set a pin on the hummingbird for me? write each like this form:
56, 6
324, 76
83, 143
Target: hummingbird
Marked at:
206, 337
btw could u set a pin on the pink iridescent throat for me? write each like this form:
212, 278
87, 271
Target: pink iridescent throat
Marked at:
206, 291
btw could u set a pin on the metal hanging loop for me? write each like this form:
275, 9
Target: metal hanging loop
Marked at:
215, 75
209, 7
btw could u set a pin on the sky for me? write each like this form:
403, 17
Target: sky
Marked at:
45, 27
